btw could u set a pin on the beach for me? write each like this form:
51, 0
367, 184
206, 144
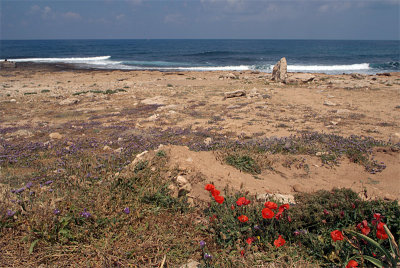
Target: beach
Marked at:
107, 105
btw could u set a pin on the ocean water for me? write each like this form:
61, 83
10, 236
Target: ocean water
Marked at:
324, 56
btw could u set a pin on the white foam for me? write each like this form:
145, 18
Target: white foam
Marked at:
65, 60
310, 68
214, 68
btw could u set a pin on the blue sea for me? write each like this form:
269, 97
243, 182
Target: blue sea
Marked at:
323, 56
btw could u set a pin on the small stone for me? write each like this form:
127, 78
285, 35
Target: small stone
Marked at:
181, 180
173, 190
234, 94
107, 148
119, 150
55, 136
329, 103
232, 76
207, 141
190, 264
342, 111
13, 100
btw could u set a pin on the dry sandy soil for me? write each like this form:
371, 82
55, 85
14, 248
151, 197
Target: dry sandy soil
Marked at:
35, 101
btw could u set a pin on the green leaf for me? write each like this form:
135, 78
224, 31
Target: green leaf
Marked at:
374, 261
33, 246
393, 246
373, 243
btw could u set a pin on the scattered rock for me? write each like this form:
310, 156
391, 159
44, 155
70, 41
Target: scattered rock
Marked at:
395, 138
157, 100
299, 78
233, 94
107, 148
384, 74
154, 117
232, 76
254, 93
279, 73
190, 264
207, 141
119, 150
329, 103
173, 190
69, 101
285, 198
357, 76
8, 64
55, 136
181, 180
13, 100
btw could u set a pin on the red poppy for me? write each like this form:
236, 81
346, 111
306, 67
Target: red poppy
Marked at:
380, 232
215, 192
219, 199
363, 227
377, 219
232, 207
250, 240
279, 242
283, 207
209, 187
352, 264
213, 217
337, 235
270, 205
267, 213
243, 218
278, 215
242, 201
242, 253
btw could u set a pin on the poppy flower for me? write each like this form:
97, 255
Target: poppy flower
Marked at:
209, 187
242, 253
243, 218
213, 217
283, 207
352, 264
377, 219
250, 240
279, 242
267, 213
336, 235
270, 205
219, 199
242, 201
232, 207
363, 227
380, 232
278, 215
214, 192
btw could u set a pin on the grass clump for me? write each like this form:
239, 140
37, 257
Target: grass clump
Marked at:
244, 163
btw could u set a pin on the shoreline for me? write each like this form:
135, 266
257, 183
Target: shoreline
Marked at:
75, 67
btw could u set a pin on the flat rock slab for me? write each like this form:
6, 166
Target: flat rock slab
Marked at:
234, 94
299, 78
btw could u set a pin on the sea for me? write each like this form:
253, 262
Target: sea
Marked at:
322, 56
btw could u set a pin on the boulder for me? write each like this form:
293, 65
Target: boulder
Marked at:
55, 136
7, 64
329, 103
234, 94
299, 78
357, 76
279, 73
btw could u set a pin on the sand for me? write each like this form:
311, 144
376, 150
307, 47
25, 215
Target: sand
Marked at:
36, 100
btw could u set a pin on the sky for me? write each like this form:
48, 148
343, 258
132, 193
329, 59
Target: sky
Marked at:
200, 19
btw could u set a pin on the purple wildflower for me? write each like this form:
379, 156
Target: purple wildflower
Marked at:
31, 193
207, 256
296, 233
256, 227
10, 213
20, 190
48, 182
202, 244
85, 214
29, 185
127, 210
56, 211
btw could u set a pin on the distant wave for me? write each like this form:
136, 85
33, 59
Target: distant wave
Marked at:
64, 60
319, 68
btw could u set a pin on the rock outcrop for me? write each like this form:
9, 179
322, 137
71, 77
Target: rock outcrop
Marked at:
279, 73
7, 64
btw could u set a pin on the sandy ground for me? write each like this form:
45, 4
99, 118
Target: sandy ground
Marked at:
38, 97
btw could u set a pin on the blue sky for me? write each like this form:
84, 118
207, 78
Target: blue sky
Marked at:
241, 19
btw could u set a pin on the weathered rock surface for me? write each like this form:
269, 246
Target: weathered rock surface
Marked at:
279, 73
299, 78
234, 94
55, 136
329, 103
